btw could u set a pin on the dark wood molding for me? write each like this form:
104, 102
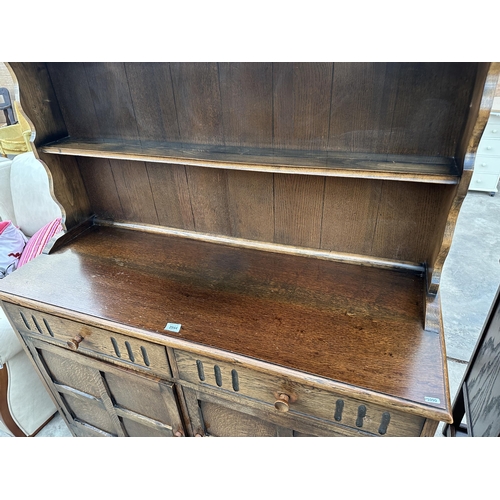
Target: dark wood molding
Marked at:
4, 405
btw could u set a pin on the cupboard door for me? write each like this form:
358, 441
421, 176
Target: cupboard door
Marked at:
223, 419
99, 399
217, 417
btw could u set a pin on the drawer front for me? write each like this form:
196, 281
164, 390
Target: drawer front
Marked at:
492, 130
489, 147
484, 182
486, 165
147, 356
303, 400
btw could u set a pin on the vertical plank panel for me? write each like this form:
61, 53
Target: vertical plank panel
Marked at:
112, 101
430, 98
197, 98
171, 195
209, 199
298, 208
75, 99
134, 191
251, 204
98, 177
350, 214
247, 103
407, 219
459, 88
153, 99
363, 100
301, 105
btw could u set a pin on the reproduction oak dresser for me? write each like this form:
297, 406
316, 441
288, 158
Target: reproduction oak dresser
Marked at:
250, 249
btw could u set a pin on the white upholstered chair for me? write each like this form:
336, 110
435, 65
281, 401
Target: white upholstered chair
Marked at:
25, 405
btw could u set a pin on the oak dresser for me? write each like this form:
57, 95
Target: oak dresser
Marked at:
250, 249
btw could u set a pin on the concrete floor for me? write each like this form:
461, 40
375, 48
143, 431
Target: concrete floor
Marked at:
470, 279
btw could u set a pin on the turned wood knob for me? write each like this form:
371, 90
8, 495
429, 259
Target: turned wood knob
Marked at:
74, 342
281, 403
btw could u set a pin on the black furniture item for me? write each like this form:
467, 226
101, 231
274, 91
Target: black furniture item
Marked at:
479, 395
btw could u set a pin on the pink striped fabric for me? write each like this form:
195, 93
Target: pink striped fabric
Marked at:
37, 242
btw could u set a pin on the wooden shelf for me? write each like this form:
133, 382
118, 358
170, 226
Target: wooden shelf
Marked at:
440, 170
306, 314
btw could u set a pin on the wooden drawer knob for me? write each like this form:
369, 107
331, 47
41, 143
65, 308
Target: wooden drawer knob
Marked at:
281, 403
74, 342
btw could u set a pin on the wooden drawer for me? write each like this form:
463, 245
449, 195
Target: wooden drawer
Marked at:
141, 354
304, 400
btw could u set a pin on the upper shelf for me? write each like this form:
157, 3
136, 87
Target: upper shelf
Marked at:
440, 170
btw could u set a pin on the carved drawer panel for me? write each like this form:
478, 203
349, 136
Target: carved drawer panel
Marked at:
288, 397
141, 354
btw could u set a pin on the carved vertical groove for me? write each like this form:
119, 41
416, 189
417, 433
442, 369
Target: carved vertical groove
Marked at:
145, 356
115, 347
235, 380
386, 418
25, 321
339, 407
37, 326
361, 415
51, 333
129, 351
218, 375
201, 371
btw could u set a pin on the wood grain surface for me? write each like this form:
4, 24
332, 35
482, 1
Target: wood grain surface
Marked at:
315, 316
296, 210
432, 169
342, 106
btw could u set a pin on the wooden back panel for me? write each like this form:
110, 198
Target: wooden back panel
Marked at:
410, 108
393, 220
413, 109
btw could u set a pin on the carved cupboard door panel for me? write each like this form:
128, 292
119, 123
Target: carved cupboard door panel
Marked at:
99, 399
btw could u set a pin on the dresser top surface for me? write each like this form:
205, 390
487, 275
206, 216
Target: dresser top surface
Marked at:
338, 321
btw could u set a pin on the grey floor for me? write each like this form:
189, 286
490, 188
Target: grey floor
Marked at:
470, 279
